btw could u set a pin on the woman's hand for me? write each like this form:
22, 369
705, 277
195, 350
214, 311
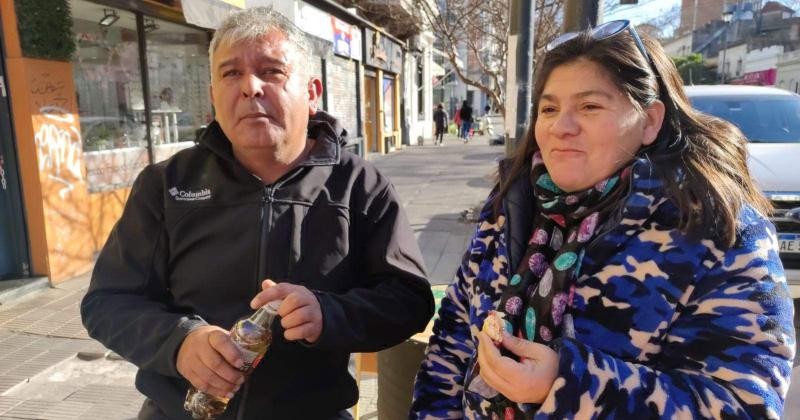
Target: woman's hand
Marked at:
528, 381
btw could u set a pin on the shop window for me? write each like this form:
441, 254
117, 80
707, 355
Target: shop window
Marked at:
108, 87
178, 76
388, 105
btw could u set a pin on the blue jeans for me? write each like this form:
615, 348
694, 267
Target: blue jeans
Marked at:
465, 127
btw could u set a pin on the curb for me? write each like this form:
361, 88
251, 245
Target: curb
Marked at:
11, 290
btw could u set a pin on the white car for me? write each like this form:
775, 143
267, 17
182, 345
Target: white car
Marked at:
770, 118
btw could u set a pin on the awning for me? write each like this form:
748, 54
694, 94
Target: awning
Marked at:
209, 13
760, 78
437, 70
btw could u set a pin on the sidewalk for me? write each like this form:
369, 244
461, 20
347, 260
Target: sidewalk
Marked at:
50, 369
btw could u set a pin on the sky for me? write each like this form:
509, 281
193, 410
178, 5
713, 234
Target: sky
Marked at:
645, 10
641, 12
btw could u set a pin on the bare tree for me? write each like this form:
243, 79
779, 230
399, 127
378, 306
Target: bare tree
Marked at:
478, 28
476, 32
548, 20
472, 34
657, 26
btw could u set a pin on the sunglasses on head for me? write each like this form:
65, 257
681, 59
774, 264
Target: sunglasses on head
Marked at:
600, 32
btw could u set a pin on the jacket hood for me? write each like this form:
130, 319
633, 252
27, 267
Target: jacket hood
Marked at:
329, 134
324, 124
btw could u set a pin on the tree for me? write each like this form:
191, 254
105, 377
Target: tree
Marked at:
478, 28
662, 25
694, 71
548, 21
476, 32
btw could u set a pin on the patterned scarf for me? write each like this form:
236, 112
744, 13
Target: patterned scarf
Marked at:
536, 303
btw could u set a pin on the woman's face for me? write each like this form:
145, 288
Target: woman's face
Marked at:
587, 128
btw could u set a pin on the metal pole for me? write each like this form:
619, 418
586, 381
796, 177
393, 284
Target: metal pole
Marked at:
724, 50
581, 14
524, 31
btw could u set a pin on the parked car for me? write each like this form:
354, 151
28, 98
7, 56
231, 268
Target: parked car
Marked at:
770, 118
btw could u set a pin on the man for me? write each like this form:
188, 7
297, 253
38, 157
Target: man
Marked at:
267, 194
440, 118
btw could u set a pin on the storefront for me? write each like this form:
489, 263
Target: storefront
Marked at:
384, 63
134, 92
760, 78
337, 54
142, 90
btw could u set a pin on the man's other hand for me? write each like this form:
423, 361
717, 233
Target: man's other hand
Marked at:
301, 315
210, 361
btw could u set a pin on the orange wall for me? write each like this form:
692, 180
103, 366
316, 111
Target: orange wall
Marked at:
67, 225
51, 145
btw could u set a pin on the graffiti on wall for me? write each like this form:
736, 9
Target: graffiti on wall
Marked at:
3, 173
57, 137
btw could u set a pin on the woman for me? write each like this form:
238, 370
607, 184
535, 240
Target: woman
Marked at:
626, 249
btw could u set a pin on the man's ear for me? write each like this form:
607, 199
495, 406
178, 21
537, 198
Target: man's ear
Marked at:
654, 119
314, 95
211, 93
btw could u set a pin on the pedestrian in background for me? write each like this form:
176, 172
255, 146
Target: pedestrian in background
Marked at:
269, 193
624, 259
465, 115
457, 121
440, 120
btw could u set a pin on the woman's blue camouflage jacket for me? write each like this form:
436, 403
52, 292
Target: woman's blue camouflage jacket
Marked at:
666, 327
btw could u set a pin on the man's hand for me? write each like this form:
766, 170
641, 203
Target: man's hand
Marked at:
528, 381
301, 315
210, 361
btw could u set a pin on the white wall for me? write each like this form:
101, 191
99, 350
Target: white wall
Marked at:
763, 59
788, 76
679, 47
420, 125
732, 57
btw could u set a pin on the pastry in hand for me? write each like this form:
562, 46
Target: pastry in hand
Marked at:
494, 325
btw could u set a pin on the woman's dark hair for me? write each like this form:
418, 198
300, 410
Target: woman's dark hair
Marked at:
701, 160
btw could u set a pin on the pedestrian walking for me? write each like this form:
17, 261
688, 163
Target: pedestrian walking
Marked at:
268, 206
465, 114
440, 120
623, 266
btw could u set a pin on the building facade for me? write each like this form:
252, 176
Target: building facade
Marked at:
76, 132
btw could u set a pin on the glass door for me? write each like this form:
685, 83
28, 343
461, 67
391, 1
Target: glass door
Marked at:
14, 259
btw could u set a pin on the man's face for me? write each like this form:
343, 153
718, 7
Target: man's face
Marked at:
261, 100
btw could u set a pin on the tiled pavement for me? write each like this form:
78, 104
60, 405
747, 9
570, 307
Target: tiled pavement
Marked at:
50, 369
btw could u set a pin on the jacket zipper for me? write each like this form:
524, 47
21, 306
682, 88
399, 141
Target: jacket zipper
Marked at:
262, 243
261, 272
268, 197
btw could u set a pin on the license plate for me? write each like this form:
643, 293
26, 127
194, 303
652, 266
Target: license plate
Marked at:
789, 242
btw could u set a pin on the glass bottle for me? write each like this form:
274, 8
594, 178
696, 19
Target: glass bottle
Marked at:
252, 335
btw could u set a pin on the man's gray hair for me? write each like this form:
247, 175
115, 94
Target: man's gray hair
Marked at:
251, 24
